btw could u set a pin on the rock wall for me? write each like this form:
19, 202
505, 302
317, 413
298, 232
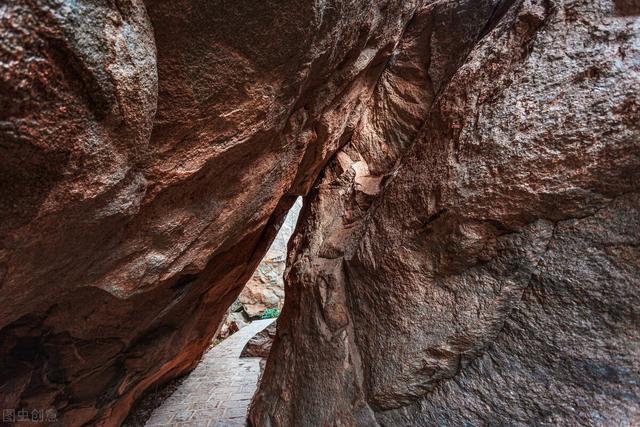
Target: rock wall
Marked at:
148, 152
468, 251
471, 255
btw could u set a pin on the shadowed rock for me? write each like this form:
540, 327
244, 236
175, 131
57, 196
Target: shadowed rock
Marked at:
260, 344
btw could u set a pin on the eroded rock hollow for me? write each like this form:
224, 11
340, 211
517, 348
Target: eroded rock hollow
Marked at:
467, 253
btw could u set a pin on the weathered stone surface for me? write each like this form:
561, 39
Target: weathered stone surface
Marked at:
471, 256
147, 153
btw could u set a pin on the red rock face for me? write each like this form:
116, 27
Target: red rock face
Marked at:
148, 153
470, 257
469, 243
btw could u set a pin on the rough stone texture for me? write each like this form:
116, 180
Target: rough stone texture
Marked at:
260, 344
468, 256
232, 323
471, 256
265, 289
148, 152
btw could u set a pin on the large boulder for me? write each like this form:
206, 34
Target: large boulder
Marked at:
148, 153
472, 255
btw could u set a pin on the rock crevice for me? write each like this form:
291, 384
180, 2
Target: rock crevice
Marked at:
468, 247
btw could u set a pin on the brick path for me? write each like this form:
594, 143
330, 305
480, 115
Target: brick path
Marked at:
218, 391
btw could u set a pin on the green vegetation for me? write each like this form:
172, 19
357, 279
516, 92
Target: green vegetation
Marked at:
270, 313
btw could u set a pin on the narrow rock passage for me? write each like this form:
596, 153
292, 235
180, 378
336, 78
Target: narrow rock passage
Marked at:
218, 392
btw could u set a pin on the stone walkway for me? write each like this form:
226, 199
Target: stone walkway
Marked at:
218, 391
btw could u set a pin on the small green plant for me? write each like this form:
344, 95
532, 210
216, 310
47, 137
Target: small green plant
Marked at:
270, 313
